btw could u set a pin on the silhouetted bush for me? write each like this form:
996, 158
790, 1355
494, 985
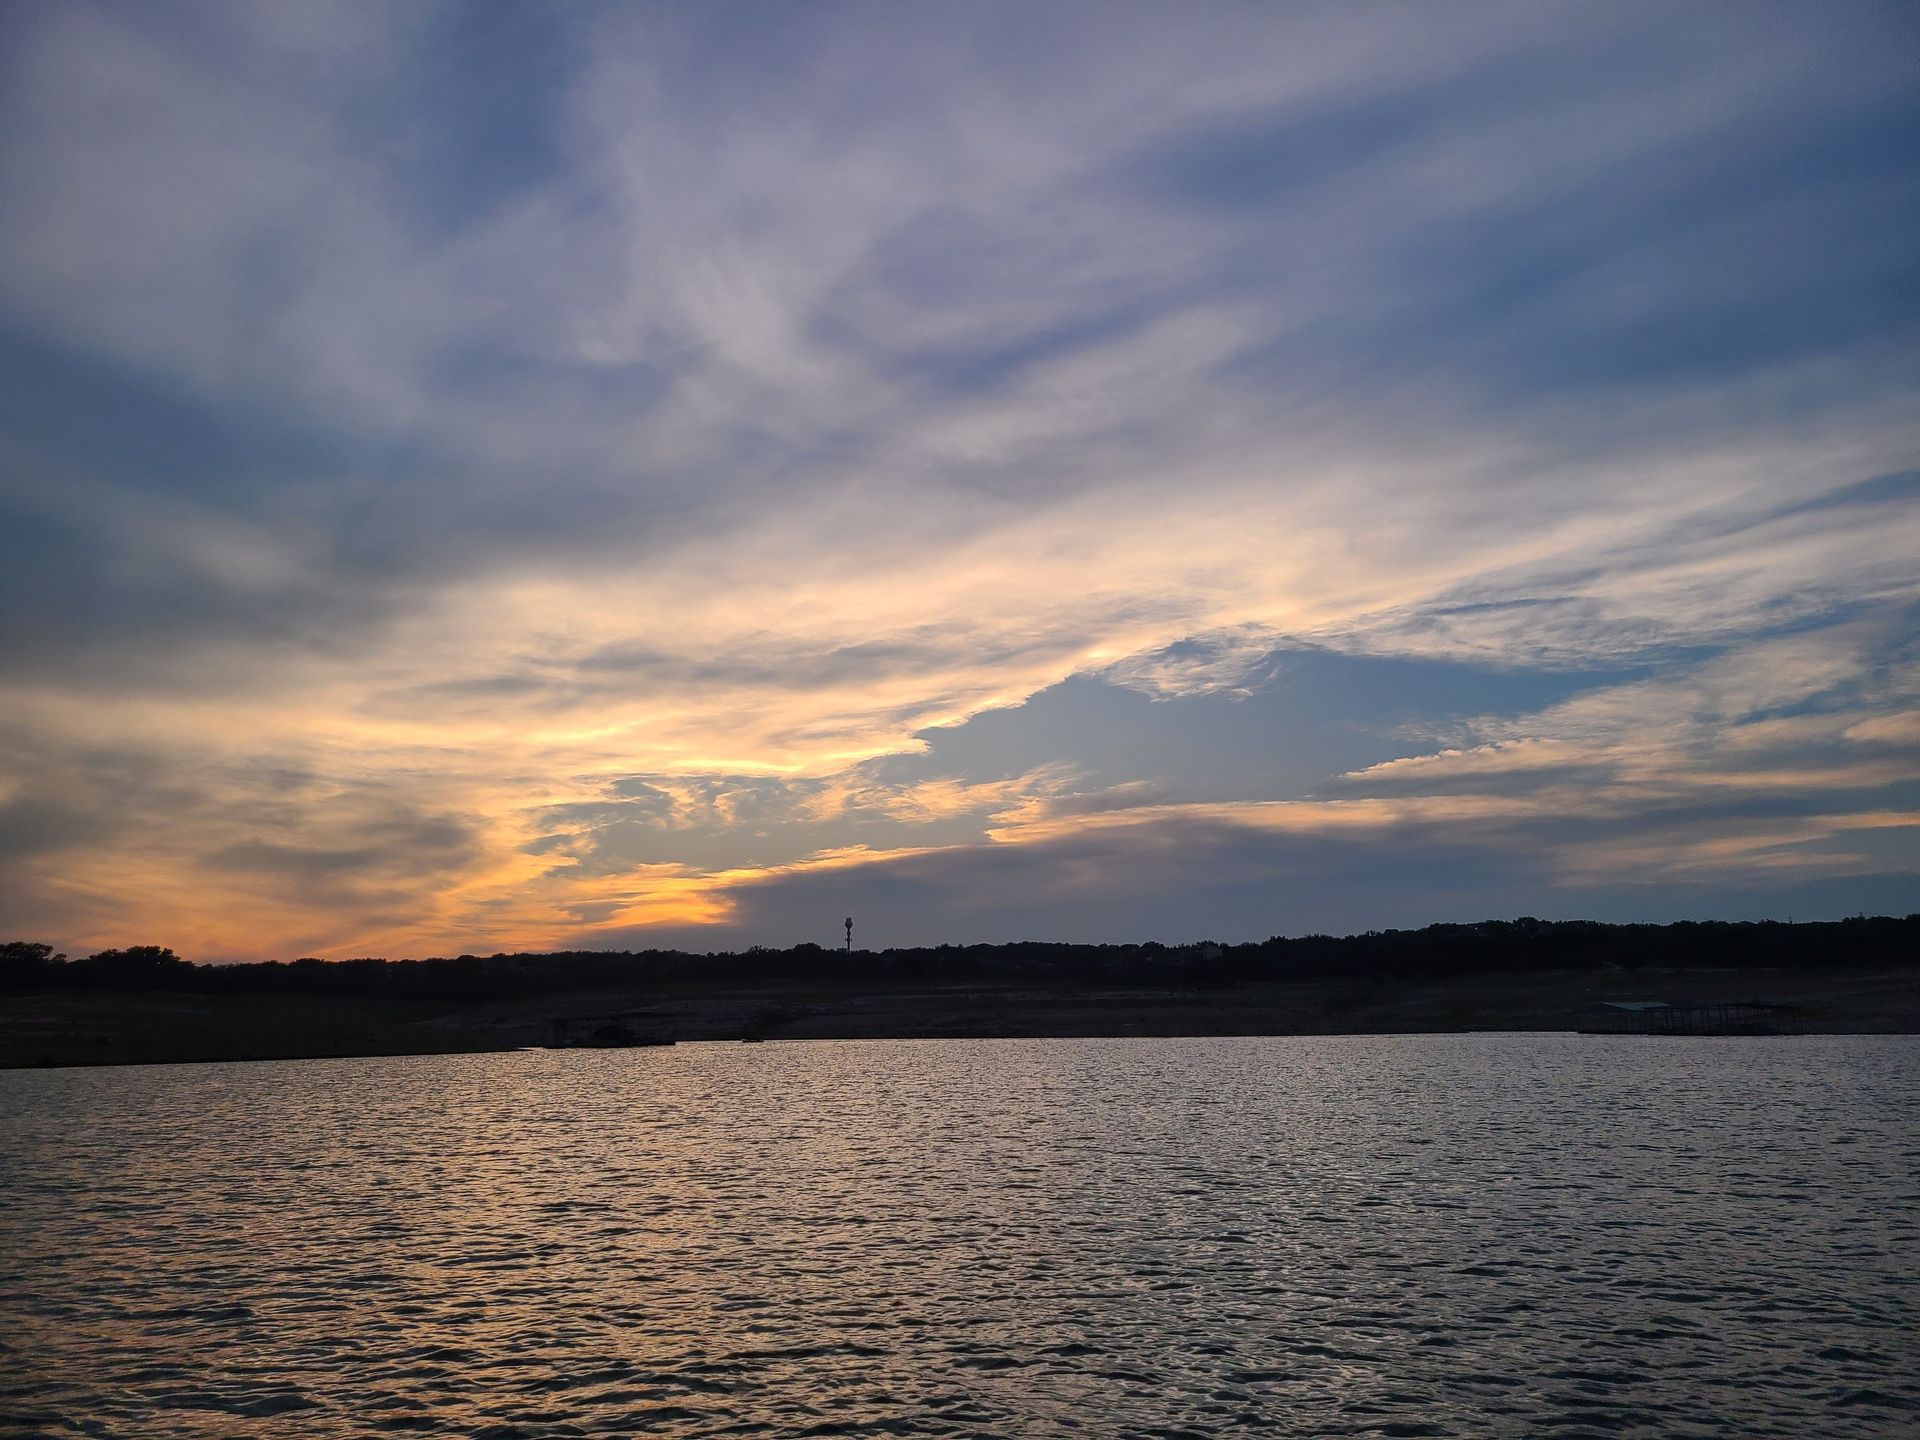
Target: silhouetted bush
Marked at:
1489, 947
27, 965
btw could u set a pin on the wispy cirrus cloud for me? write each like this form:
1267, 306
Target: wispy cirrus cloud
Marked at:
476, 411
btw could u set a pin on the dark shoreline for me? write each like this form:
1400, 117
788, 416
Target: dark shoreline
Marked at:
61, 1029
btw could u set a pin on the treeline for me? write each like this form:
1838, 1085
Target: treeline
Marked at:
1437, 952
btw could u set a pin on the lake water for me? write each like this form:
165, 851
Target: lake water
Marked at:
1453, 1235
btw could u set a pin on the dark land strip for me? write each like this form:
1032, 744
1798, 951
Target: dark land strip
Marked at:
146, 1006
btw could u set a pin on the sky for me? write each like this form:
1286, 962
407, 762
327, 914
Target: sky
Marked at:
514, 476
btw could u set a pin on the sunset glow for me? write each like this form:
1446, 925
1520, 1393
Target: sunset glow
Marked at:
491, 479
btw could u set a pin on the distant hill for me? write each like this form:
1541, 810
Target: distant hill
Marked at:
1438, 952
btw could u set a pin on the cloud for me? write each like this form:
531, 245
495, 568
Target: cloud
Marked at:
1207, 872
480, 411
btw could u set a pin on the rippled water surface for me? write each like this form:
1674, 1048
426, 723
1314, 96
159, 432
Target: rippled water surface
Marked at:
1454, 1235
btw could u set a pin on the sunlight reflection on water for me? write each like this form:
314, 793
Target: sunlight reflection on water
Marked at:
1443, 1235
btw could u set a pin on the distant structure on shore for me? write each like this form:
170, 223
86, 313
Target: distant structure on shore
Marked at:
849, 934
